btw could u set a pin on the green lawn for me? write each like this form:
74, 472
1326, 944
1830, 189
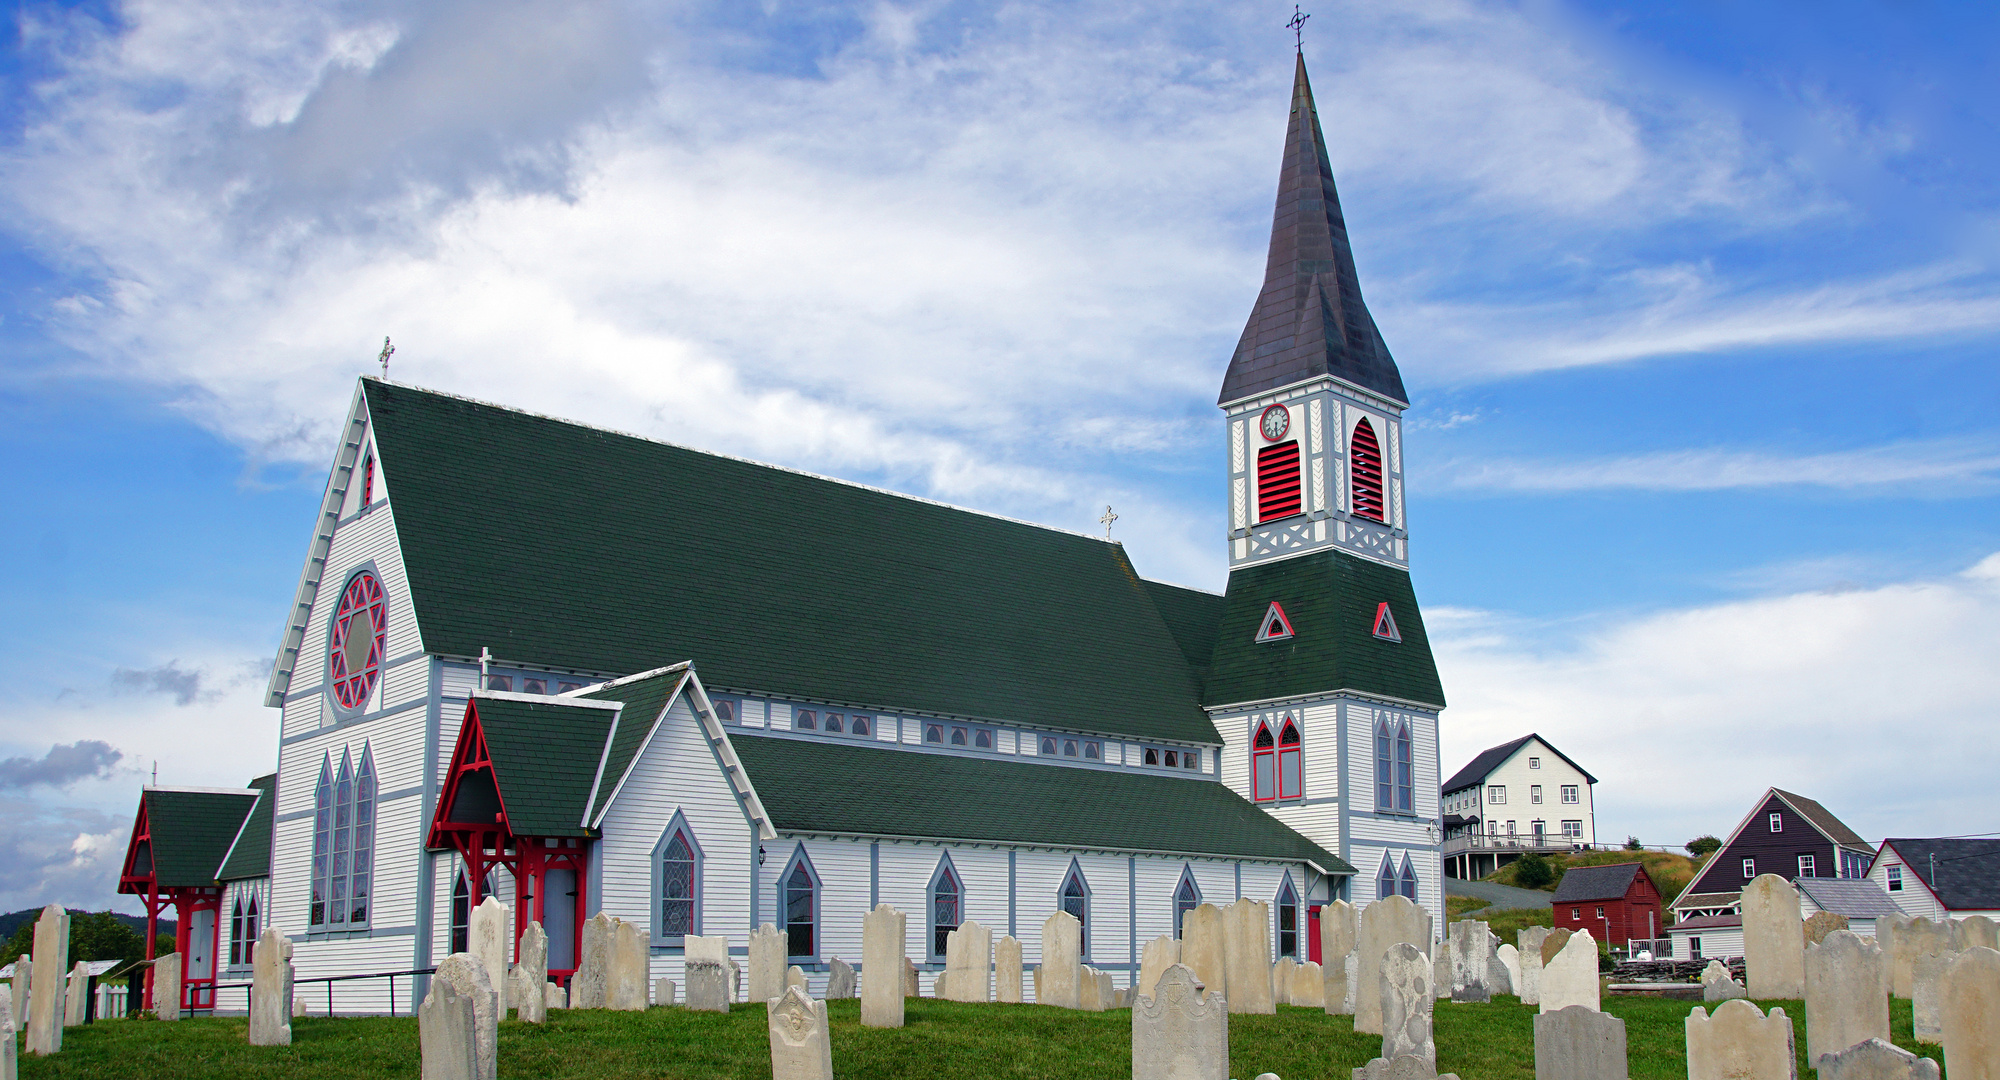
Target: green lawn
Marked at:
943, 1041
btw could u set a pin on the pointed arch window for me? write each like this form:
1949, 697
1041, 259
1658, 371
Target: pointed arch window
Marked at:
676, 883
800, 889
1405, 776
1289, 770
1365, 468
1075, 899
1263, 764
461, 909
1407, 881
1288, 918
947, 896
322, 839
236, 934
368, 482
360, 892
1186, 898
1386, 881
343, 842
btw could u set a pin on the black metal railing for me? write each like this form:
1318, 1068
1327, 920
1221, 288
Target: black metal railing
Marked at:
329, 980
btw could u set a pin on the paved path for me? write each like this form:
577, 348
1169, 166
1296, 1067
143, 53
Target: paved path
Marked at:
1502, 896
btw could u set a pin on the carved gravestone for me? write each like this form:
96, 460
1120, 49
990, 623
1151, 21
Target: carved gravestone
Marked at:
76, 996
840, 980
665, 993
1159, 954
1007, 970
1469, 945
1090, 990
1978, 932
1205, 947
1717, 985
448, 1034
767, 962
24, 966
51, 964
488, 939
882, 962
1553, 942
1570, 977
1576, 1043
1821, 924
1386, 922
1877, 1060
531, 1003
796, 976
1336, 944
1972, 1015
590, 987
709, 986
1740, 1042
1180, 1032
800, 1046
1406, 983
1774, 943
1844, 1000
1309, 985
271, 990
467, 975
167, 987
1061, 968
1529, 986
910, 987
1247, 957
625, 986
968, 959
1927, 998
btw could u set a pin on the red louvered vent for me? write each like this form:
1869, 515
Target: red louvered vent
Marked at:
1278, 481
1366, 462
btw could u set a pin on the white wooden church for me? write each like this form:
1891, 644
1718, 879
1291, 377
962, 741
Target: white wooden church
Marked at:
551, 662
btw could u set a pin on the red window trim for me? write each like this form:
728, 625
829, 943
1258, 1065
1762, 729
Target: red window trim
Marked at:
1261, 746
1288, 747
1365, 464
1278, 494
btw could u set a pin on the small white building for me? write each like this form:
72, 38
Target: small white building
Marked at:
1861, 900
1936, 878
1514, 798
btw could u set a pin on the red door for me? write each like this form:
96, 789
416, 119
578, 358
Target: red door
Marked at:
1312, 933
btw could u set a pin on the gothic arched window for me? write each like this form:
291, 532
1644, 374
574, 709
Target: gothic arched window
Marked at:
1385, 767
1075, 899
1407, 882
1365, 467
236, 934
1263, 765
1288, 919
1288, 761
1385, 879
322, 839
1405, 789
677, 860
1186, 898
801, 893
947, 905
364, 839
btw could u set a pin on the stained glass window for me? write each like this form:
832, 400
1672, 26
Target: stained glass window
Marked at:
1186, 899
322, 839
799, 913
1288, 920
946, 908
677, 887
1076, 901
360, 636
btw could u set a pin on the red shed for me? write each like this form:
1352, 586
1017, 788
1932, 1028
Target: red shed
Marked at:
1615, 903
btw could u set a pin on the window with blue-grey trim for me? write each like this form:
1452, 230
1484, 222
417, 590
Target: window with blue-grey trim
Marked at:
947, 904
1075, 899
1187, 897
1407, 885
1288, 918
1385, 879
676, 883
799, 886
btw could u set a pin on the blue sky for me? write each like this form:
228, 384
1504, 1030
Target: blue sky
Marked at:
1699, 308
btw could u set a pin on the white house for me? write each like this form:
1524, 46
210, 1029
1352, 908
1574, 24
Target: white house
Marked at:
1936, 878
1510, 799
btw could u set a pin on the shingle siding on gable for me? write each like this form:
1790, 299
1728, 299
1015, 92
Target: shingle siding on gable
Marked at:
1776, 853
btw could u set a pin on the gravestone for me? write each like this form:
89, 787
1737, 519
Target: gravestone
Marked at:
1774, 942
590, 986
1529, 953
1247, 957
882, 962
1309, 985
447, 1034
1159, 954
531, 1003
1570, 978
1407, 992
488, 939
555, 997
1717, 985
1913, 940
1972, 1015
1336, 944
167, 987
1978, 932
800, 1046
968, 959
1468, 943
714, 947
76, 995
839, 980
271, 990
1007, 970
1553, 942
1390, 921
796, 976
1351, 965
1090, 995
9, 1067
1740, 1042
51, 964
1441, 971
1402, 1068
1205, 947
1821, 924
1844, 1000
665, 993
1281, 980
1877, 1060
625, 988
467, 975
1180, 1031
24, 965
1509, 959
1579, 1044
1927, 998
768, 947
708, 986
910, 987
1061, 969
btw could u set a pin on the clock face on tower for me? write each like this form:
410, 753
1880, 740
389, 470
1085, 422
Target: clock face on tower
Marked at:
1276, 421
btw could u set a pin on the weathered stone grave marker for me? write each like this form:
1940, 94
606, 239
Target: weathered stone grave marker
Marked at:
467, 975
1575, 1043
1740, 1042
1180, 1031
800, 1046
882, 963
1844, 1000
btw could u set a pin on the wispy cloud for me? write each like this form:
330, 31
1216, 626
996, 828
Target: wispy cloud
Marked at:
63, 765
1939, 468
183, 685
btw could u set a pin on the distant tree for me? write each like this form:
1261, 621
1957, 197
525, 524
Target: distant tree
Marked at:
22, 941
92, 936
1632, 844
1533, 871
1701, 847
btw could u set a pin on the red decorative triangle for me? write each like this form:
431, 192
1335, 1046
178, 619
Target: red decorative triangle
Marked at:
1275, 627
1385, 623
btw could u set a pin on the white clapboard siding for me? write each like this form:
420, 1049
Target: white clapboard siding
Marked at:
1716, 943
369, 538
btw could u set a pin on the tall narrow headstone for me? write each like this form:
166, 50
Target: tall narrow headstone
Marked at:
882, 967
1774, 943
1390, 921
800, 1047
1927, 998
270, 989
1281, 980
1579, 1044
1529, 988
1468, 942
1205, 947
1308, 985
1972, 1015
1062, 970
1877, 1060
768, 946
531, 974
489, 937
1247, 957
1718, 985
590, 987
1007, 970
1844, 1000
1180, 1031
467, 975
9, 1067
1407, 994
76, 994
51, 964
24, 965
1336, 944
167, 987
1509, 959
709, 986
840, 981
968, 961
1740, 1042
1570, 978
910, 986
448, 1034
796, 976
625, 987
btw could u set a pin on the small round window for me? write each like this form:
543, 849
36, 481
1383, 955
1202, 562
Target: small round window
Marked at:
360, 637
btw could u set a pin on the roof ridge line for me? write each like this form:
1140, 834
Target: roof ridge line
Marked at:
543, 699
201, 790
745, 460
621, 680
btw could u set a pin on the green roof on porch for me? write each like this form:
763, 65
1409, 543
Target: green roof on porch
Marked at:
191, 831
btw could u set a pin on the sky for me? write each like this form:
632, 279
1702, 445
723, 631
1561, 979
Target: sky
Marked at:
1698, 305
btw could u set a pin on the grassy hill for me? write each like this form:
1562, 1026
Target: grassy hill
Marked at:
1670, 872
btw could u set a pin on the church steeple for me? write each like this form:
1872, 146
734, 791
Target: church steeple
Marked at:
1309, 319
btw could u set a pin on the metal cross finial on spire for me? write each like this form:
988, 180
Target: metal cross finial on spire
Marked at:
1109, 517
1298, 28
388, 351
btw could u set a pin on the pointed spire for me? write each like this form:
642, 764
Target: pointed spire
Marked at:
1309, 319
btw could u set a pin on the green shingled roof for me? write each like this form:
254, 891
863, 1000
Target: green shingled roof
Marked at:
545, 756
1191, 616
192, 831
612, 552
808, 786
250, 855
643, 700
1330, 598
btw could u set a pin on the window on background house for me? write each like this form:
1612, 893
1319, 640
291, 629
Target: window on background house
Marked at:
961, 736
725, 712
502, 683
801, 908
1777, 823
368, 482
1749, 869
1576, 913
1570, 794
461, 909
1573, 830
1386, 883
1094, 751
343, 840
1048, 747
982, 739
1288, 919
1173, 759
1263, 764
1076, 900
1496, 794
364, 839
860, 726
1191, 759
1806, 866
250, 930
1186, 898
947, 906
1535, 794
1152, 756
568, 687
1534, 763
1288, 761
1600, 911
236, 934
934, 733
1895, 876
323, 841
1365, 469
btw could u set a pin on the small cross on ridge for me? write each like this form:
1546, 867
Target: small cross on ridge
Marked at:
1109, 517
388, 351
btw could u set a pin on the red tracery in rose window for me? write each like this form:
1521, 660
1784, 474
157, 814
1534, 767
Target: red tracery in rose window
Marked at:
360, 633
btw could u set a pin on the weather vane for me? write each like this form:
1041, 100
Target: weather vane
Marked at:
1107, 519
1298, 28
388, 351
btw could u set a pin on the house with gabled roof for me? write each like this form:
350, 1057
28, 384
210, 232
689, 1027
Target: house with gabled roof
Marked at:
1784, 834
704, 694
1615, 902
1955, 877
1521, 796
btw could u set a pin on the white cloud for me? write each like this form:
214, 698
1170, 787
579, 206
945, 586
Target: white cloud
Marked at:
1940, 467
1878, 702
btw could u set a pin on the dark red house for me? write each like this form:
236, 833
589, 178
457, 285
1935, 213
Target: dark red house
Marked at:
1615, 903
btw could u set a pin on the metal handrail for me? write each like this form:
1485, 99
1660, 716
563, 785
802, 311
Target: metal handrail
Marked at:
329, 980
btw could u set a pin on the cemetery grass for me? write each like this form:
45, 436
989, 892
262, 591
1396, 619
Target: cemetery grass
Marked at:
941, 1041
